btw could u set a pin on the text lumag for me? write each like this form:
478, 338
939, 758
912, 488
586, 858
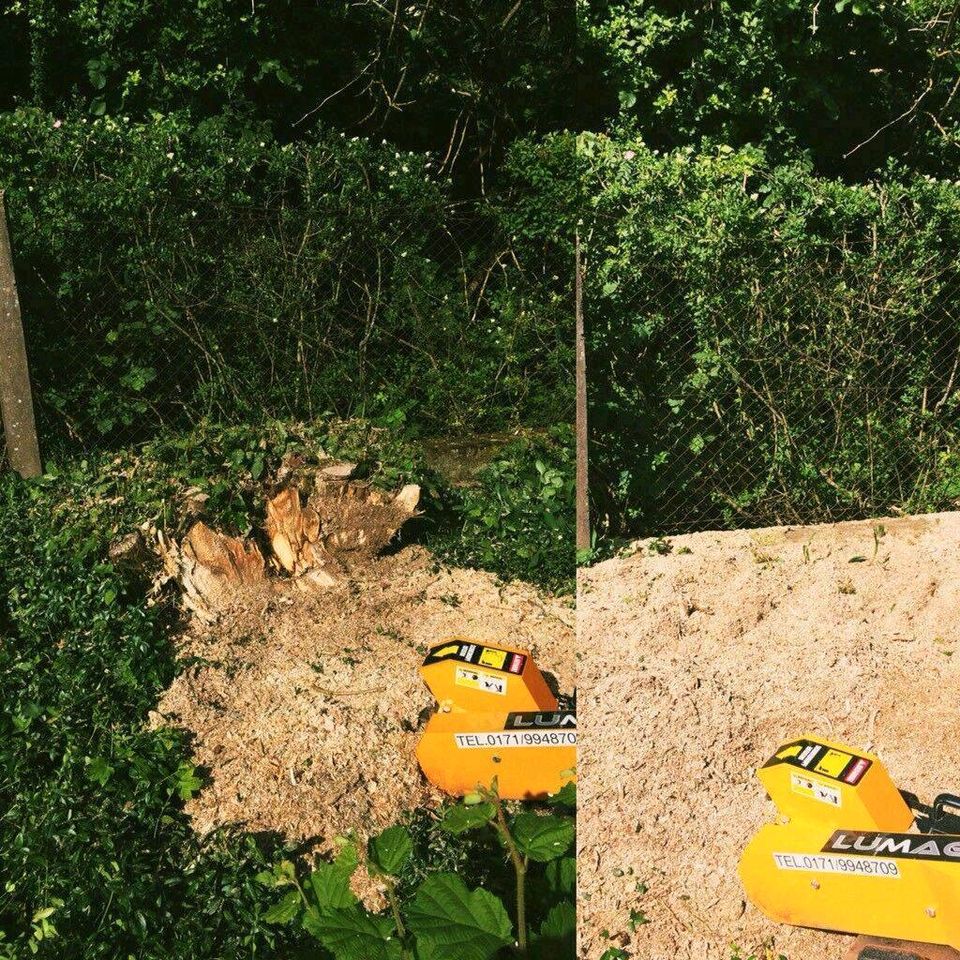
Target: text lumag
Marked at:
896, 844
545, 720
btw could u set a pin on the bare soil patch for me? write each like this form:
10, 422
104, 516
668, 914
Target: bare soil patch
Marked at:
694, 665
300, 683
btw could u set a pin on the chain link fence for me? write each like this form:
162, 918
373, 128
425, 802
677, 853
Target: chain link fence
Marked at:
302, 305
765, 378
738, 376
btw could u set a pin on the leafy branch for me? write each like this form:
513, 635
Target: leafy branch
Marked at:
442, 918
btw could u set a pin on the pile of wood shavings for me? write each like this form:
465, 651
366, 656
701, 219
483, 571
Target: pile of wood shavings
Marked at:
305, 708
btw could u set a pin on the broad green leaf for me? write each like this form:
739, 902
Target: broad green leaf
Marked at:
561, 875
389, 851
455, 923
285, 909
543, 838
282, 875
330, 884
561, 921
99, 771
566, 796
353, 934
460, 819
188, 783
348, 857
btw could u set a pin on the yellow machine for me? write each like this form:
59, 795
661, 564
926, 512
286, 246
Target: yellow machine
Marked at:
846, 853
496, 718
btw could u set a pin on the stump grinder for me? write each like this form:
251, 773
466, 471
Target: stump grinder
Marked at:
496, 719
848, 854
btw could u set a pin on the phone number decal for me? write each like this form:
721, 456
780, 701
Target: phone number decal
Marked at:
825, 863
516, 738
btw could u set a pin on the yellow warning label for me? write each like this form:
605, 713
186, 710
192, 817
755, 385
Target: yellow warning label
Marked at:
493, 658
485, 682
832, 763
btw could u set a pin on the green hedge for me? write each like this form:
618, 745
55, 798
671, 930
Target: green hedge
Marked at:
171, 270
471, 75
769, 346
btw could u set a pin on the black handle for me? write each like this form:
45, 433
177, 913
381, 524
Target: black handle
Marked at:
940, 805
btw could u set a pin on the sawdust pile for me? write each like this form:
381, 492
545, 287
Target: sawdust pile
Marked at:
695, 665
300, 682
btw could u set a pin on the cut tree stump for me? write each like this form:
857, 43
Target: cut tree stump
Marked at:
342, 524
340, 520
211, 567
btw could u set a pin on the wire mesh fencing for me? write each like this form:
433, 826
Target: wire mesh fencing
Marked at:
770, 379
301, 305
738, 375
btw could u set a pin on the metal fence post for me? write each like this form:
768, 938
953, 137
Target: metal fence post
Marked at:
583, 496
16, 398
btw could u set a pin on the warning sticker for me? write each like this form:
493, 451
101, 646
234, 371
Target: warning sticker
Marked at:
485, 682
815, 790
825, 863
492, 658
479, 655
833, 763
819, 758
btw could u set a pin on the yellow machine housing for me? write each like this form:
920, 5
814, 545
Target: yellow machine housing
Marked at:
480, 677
844, 853
497, 719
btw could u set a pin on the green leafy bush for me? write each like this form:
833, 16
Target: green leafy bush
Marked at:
472, 75
835, 83
518, 518
439, 916
770, 347
96, 856
172, 271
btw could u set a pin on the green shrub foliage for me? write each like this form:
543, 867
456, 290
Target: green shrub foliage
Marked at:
846, 83
170, 271
464, 78
96, 856
776, 347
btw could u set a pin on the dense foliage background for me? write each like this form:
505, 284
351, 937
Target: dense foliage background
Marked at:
797, 78
241, 227
172, 269
465, 78
229, 214
771, 224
